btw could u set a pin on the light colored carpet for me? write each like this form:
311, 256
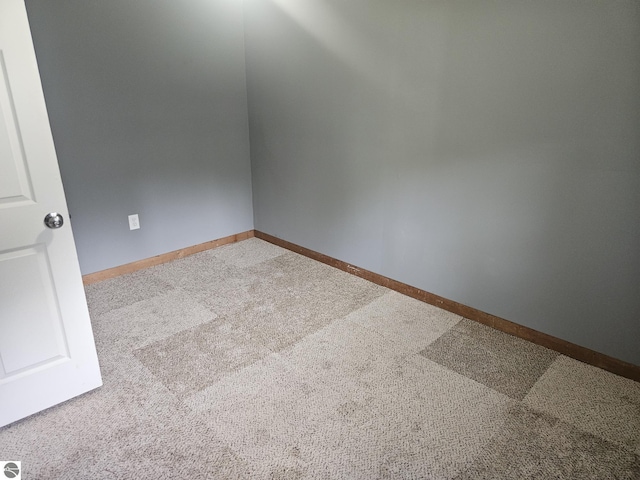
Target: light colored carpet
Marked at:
250, 361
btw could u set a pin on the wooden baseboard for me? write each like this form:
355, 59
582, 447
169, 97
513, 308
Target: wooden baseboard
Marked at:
569, 349
164, 258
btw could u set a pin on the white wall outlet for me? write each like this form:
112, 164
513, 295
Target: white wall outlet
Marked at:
134, 222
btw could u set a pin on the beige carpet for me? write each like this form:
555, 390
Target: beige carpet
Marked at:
250, 361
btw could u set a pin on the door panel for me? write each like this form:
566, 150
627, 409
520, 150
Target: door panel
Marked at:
47, 352
39, 335
14, 181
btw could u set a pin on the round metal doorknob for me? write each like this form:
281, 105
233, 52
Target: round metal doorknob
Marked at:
53, 220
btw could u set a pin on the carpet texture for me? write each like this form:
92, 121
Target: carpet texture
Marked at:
250, 361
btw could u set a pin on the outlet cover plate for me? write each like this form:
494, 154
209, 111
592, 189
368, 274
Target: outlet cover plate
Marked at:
134, 222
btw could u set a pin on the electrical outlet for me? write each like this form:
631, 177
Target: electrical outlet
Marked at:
134, 222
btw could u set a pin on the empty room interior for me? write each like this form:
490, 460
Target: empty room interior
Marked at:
377, 239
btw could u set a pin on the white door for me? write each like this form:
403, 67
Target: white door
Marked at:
47, 352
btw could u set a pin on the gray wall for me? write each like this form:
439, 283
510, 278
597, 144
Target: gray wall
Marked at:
147, 103
488, 152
